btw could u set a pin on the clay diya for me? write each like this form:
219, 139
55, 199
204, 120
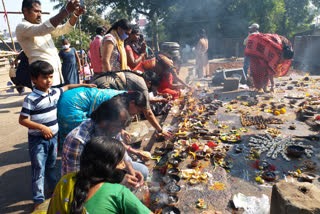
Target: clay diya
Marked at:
228, 164
311, 165
173, 171
159, 151
195, 163
183, 155
173, 200
171, 178
269, 176
295, 151
200, 154
173, 188
263, 165
219, 155
238, 149
174, 161
170, 210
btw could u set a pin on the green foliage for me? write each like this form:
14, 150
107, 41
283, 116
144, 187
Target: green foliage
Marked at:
91, 19
180, 20
73, 37
231, 18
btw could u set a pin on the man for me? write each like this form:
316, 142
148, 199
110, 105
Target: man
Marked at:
202, 63
253, 29
35, 37
96, 60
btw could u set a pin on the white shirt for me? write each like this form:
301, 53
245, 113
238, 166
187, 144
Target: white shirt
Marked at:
36, 41
245, 42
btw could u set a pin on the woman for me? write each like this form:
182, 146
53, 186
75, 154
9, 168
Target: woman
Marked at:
166, 70
270, 54
133, 82
113, 53
202, 65
22, 73
135, 49
76, 105
71, 63
109, 119
95, 188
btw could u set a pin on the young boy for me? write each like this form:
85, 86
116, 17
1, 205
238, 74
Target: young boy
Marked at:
39, 114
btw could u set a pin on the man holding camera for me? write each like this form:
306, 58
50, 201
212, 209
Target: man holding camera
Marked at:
35, 37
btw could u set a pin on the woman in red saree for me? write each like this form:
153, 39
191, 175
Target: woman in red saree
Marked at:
270, 55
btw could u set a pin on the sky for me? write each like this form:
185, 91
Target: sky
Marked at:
15, 6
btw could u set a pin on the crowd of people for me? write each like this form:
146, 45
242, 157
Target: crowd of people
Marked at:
87, 122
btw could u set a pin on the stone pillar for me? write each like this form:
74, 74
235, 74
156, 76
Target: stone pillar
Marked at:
295, 198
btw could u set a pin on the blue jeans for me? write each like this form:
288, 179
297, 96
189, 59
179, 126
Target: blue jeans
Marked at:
141, 168
138, 166
43, 155
246, 64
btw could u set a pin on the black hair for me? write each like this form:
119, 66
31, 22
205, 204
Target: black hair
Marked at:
100, 30
122, 23
98, 163
109, 111
287, 51
138, 97
28, 4
64, 39
40, 67
135, 29
152, 77
202, 34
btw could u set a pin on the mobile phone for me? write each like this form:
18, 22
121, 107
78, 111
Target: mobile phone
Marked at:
82, 3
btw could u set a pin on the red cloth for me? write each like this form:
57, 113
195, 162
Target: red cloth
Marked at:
268, 47
139, 67
96, 60
166, 85
259, 72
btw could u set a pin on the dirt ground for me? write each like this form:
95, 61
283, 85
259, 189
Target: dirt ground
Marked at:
15, 182
15, 171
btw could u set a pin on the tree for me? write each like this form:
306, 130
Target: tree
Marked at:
91, 19
231, 18
74, 39
154, 10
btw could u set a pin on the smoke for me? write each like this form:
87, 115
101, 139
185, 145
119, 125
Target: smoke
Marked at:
306, 53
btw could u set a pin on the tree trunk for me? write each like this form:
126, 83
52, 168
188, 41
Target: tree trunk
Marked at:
155, 37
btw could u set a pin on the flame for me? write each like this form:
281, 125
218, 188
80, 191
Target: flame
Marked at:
307, 74
185, 122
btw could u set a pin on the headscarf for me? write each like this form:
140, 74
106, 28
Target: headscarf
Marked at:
122, 51
63, 195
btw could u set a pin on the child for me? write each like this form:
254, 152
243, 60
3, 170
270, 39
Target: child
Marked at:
41, 107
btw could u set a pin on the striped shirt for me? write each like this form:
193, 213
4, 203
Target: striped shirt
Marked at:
41, 107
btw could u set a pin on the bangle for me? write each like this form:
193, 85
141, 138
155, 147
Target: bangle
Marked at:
67, 11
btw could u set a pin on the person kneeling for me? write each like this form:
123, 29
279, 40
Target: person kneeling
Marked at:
96, 187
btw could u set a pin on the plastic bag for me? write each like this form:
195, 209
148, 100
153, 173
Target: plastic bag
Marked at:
252, 204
